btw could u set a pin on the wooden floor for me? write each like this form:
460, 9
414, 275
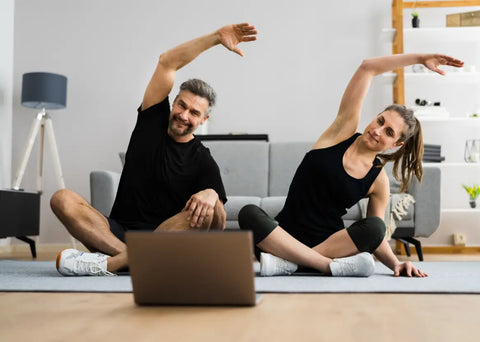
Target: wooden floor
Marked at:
279, 317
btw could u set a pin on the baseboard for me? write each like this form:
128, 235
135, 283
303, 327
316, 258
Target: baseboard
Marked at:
400, 250
41, 248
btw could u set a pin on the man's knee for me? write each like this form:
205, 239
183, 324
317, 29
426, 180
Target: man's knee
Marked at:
219, 216
60, 200
368, 233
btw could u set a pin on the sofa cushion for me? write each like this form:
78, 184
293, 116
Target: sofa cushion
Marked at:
284, 160
233, 206
243, 166
235, 203
272, 205
353, 214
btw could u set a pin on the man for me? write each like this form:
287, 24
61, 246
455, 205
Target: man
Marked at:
169, 181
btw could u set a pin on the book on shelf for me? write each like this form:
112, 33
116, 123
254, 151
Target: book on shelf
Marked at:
426, 156
432, 147
433, 159
432, 152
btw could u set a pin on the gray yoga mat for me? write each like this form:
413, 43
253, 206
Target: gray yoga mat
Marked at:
444, 277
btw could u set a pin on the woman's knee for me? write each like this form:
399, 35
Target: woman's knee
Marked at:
246, 216
252, 217
368, 233
375, 226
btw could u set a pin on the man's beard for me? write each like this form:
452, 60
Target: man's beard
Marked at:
183, 131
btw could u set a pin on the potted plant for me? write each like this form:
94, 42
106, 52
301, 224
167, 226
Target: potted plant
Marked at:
415, 20
473, 192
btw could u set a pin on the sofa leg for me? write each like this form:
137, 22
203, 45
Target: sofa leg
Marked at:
418, 246
406, 245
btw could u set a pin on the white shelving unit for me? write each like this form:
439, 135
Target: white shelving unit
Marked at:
451, 77
466, 120
454, 198
436, 34
459, 93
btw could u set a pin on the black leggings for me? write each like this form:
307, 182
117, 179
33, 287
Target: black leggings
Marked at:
367, 234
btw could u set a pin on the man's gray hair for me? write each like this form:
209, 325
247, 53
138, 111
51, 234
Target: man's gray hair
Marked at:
202, 89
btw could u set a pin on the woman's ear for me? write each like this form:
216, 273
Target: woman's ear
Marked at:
399, 144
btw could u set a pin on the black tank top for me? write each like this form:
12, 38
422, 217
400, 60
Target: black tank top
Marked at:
320, 192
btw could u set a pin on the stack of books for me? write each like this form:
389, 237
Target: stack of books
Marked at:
432, 153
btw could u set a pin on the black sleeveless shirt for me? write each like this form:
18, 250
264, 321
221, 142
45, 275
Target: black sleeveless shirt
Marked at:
320, 192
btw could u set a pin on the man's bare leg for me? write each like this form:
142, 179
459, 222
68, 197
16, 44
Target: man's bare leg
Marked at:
85, 223
89, 226
179, 223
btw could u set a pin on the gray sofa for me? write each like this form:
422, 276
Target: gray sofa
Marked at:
259, 172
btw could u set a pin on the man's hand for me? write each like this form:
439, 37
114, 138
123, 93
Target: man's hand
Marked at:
407, 269
200, 206
230, 36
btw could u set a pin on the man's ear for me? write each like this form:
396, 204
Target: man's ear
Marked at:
204, 119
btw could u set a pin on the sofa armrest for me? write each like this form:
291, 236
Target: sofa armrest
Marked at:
103, 188
427, 201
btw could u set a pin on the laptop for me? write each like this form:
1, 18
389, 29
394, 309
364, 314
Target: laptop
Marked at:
191, 268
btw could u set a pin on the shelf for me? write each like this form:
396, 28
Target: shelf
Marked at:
462, 211
459, 77
446, 164
436, 34
444, 34
450, 119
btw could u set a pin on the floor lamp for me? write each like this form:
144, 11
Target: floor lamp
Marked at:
42, 90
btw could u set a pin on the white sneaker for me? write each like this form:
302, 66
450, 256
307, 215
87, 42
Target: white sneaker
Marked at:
360, 265
270, 265
71, 262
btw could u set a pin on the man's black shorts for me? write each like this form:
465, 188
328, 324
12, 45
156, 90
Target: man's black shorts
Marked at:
119, 228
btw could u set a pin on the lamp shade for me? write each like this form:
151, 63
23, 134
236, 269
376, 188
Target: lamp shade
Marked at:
44, 90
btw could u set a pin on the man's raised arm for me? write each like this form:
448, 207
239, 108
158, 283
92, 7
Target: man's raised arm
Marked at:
169, 62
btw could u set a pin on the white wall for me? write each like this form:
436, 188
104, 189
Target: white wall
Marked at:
6, 90
288, 85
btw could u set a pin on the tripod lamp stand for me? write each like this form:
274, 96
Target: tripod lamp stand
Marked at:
42, 90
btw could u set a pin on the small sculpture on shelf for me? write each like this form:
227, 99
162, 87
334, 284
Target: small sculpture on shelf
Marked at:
472, 151
473, 192
415, 19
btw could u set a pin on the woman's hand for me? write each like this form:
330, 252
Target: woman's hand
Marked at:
408, 270
433, 61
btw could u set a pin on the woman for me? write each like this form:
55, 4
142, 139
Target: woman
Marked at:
343, 167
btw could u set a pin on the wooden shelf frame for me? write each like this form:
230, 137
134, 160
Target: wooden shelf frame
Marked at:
397, 23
